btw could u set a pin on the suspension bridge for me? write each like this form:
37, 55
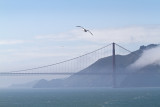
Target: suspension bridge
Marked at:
77, 64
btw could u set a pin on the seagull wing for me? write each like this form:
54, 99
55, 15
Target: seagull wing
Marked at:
80, 27
90, 32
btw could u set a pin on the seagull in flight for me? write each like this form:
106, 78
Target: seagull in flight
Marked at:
85, 30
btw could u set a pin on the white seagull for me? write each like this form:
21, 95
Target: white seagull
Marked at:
85, 30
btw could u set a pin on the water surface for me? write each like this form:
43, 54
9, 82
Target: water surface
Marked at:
94, 97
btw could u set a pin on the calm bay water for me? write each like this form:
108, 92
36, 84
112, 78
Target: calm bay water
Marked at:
97, 97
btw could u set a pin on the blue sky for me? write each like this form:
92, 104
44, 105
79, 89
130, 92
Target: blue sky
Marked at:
33, 17
22, 21
33, 32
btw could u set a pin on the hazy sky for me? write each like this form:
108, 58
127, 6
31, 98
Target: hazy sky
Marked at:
41, 32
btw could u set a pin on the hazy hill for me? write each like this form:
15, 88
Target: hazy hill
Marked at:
25, 85
99, 74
